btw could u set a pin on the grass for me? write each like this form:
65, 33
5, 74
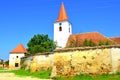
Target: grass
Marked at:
1, 68
46, 75
88, 77
41, 74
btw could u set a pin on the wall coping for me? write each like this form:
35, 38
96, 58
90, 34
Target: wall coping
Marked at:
85, 48
74, 49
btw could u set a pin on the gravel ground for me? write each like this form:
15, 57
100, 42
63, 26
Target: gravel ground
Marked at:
12, 76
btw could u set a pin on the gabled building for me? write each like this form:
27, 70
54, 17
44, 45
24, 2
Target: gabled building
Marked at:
15, 56
79, 39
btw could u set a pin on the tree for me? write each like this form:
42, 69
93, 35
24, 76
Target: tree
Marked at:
40, 43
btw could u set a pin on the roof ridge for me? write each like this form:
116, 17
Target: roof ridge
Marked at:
85, 33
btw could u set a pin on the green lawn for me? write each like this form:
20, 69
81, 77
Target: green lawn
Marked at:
46, 75
88, 77
41, 74
2, 68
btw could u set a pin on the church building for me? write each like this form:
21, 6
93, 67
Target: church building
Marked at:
63, 33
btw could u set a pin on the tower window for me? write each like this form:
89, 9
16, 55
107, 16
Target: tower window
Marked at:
16, 56
60, 24
60, 28
69, 30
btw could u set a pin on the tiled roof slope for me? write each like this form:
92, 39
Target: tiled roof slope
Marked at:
80, 38
116, 39
19, 49
62, 14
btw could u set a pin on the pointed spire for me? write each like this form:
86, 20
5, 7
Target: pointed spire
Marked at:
62, 14
19, 49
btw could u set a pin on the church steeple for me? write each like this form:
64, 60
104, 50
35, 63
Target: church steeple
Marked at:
62, 28
62, 14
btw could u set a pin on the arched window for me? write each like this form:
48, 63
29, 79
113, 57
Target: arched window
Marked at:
60, 28
69, 30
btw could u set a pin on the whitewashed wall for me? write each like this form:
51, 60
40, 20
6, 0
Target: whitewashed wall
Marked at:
61, 37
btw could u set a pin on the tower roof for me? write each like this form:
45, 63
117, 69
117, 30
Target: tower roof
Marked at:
19, 49
62, 14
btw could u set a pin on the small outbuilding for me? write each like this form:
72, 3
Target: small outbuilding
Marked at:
15, 56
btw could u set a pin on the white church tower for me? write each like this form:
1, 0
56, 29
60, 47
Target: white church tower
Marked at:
62, 28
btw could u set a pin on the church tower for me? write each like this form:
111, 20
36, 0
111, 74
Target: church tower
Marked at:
62, 28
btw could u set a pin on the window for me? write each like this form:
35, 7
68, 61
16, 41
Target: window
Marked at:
16, 56
60, 24
16, 65
60, 28
69, 30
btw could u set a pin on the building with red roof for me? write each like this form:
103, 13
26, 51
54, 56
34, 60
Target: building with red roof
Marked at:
79, 39
15, 56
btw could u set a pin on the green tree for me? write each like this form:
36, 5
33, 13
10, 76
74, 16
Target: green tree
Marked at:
7, 62
40, 43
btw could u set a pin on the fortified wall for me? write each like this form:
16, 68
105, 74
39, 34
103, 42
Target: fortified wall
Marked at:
81, 60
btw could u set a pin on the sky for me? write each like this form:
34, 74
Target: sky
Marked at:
20, 20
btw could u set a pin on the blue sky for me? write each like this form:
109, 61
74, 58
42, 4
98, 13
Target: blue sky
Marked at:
21, 19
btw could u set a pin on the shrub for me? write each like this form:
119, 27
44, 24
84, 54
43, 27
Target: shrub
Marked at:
89, 43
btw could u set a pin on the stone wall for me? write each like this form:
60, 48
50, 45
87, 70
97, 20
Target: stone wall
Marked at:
67, 62
83, 62
41, 62
115, 56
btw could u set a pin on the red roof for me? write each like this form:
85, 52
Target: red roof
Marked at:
62, 14
116, 39
80, 38
19, 49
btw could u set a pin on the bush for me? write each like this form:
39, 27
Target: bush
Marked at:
89, 43
1, 62
108, 42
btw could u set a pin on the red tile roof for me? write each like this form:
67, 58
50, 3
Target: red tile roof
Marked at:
80, 38
62, 14
116, 39
19, 49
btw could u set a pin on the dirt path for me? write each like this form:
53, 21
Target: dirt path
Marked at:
12, 76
